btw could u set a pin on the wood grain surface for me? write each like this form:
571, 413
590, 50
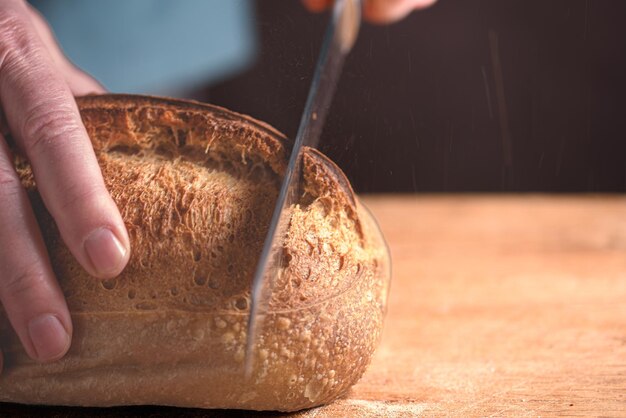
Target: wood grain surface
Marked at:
500, 306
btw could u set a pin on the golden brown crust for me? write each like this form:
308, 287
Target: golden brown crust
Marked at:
195, 185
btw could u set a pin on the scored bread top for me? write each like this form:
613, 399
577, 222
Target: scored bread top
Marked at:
196, 186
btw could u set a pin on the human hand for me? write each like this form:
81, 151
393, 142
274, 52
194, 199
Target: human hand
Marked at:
377, 11
37, 84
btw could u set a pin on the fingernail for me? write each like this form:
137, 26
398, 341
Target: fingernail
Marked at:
105, 252
49, 337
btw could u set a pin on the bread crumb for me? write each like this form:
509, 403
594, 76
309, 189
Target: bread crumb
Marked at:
283, 323
314, 389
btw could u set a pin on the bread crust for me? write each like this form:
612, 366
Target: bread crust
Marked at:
195, 184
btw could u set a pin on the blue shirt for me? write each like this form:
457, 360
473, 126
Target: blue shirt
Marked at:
154, 46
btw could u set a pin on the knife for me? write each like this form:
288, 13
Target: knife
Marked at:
340, 36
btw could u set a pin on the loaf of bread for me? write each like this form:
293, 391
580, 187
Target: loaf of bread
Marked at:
196, 185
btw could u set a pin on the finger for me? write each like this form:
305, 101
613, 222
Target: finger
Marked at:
43, 117
30, 294
79, 82
317, 6
387, 11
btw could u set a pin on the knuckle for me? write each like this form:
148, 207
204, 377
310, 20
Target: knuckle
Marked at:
23, 283
9, 182
46, 128
16, 41
51, 114
12, 23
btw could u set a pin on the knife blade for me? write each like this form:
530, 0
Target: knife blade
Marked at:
341, 33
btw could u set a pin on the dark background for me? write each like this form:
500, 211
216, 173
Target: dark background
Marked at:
469, 95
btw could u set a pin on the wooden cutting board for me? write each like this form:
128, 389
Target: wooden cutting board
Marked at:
500, 306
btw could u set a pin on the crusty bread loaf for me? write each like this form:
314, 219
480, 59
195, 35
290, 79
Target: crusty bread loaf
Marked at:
196, 186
